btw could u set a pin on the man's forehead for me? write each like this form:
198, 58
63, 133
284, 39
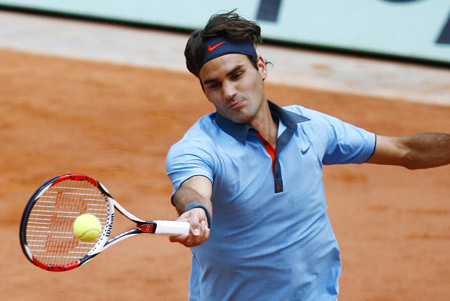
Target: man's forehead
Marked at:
224, 64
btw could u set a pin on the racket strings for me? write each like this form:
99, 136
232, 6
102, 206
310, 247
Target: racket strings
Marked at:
49, 231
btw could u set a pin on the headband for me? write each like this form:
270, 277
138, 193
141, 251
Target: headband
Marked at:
218, 46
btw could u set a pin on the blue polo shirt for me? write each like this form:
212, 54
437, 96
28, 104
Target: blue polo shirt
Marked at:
270, 236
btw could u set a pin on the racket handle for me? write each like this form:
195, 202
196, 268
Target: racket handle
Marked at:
172, 227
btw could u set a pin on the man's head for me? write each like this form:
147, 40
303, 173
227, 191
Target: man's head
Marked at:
231, 74
224, 33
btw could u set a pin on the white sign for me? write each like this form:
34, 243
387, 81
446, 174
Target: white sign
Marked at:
418, 29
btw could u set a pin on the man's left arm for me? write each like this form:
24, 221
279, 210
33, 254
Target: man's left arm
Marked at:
413, 152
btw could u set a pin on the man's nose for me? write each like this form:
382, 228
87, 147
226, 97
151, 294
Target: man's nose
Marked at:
229, 90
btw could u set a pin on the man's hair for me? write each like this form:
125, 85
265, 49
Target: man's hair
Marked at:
229, 25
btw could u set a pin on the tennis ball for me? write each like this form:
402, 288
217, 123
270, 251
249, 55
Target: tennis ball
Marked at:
87, 227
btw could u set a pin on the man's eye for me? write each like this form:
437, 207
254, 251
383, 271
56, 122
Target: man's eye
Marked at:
237, 75
213, 85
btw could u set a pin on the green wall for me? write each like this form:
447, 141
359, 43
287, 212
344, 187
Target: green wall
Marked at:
418, 29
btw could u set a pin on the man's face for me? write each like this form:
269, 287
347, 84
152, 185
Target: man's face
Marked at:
234, 86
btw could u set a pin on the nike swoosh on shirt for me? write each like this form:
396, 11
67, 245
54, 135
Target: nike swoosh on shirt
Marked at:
211, 48
304, 150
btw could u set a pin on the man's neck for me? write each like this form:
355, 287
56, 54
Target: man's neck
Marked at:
266, 125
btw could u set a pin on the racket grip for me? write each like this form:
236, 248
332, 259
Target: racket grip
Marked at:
172, 227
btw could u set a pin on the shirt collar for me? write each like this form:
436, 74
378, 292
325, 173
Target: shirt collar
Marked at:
240, 131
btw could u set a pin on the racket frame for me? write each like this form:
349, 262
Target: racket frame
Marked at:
104, 241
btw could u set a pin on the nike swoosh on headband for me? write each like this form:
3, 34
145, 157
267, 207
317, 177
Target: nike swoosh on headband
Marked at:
211, 48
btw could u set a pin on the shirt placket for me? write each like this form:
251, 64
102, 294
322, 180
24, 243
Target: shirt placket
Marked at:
274, 153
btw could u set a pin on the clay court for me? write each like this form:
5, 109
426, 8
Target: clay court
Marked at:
116, 122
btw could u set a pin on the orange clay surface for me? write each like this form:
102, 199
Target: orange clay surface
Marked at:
116, 123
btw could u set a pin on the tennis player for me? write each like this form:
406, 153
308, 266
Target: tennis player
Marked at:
248, 177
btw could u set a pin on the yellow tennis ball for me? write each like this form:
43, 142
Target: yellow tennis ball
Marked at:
87, 227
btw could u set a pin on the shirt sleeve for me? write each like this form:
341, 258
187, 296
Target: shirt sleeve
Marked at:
185, 160
339, 142
349, 144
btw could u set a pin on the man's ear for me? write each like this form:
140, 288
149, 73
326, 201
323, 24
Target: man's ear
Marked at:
262, 67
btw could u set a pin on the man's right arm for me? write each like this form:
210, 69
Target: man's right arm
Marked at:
197, 189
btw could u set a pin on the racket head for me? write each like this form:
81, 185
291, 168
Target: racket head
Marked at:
46, 229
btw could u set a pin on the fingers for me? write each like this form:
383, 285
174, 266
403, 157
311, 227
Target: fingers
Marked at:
197, 236
199, 228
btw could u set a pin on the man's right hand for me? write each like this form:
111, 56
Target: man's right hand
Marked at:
199, 228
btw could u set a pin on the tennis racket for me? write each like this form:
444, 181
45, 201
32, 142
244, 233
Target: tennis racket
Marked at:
46, 229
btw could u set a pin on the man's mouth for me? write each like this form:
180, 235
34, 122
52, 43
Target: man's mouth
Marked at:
236, 104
